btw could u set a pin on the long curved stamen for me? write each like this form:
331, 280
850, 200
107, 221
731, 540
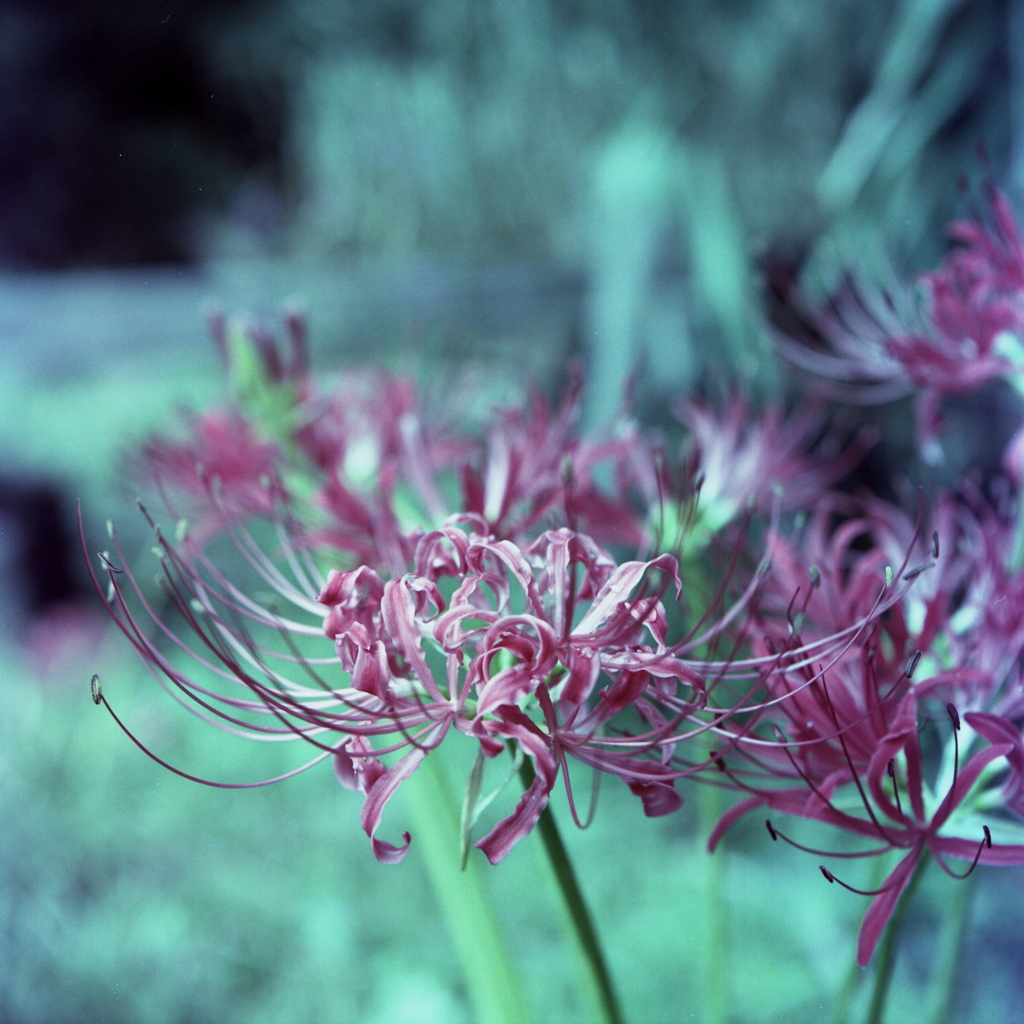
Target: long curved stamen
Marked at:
830, 878
985, 844
853, 769
100, 698
950, 799
778, 834
891, 771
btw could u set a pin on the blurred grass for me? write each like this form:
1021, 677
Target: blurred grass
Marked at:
132, 895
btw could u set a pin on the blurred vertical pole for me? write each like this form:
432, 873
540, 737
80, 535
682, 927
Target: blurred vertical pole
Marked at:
629, 208
723, 279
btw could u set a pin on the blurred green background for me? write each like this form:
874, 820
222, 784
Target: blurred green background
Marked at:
468, 190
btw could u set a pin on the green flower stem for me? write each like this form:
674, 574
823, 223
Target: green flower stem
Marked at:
599, 979
887, 949
855, 975
714, 944
493, 986
948, 956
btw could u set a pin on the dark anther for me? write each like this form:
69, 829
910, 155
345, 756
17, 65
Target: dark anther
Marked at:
815, 577
771, 830
935, 544
912, 663
891, 769
108, 564
912, 574
986, 842
954, 716
717, 760
829, 877
97, 691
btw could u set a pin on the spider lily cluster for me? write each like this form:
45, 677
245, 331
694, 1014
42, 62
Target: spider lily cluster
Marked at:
715, 612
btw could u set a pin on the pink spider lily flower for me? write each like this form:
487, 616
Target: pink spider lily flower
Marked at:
964, 610
222, 453
533, 469
237, 451
484, 638
954, 345
741, 457
736, 461
920, 820
838, 739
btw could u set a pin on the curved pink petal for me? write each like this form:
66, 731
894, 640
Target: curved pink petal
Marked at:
883, 905
500, 840
376, 799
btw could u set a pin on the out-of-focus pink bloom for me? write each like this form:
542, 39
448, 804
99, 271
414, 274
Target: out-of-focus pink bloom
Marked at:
249, 349
837, 739
532, 469
222, 466
528, 470
740, 458
950, 347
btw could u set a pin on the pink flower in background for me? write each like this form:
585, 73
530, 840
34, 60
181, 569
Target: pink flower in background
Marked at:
838, 739
745, 459
533, 469
223, 467
250, 351
876, 353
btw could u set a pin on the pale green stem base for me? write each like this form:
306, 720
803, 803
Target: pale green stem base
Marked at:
947, 959
493, 987
855, 975
887, 948
714, 944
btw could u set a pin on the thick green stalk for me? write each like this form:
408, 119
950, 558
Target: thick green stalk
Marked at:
599, 979
947, 958
714, 942
490, 978
855, 975
887, 949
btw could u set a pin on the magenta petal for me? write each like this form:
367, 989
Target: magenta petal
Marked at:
883, 905
377, 797
730, 818
370, 673
387, 853
500, 840
345, 769
399, 609
658, 798
355, 765
617, 589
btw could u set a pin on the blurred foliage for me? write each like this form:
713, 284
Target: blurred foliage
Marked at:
130, 895
331, 126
